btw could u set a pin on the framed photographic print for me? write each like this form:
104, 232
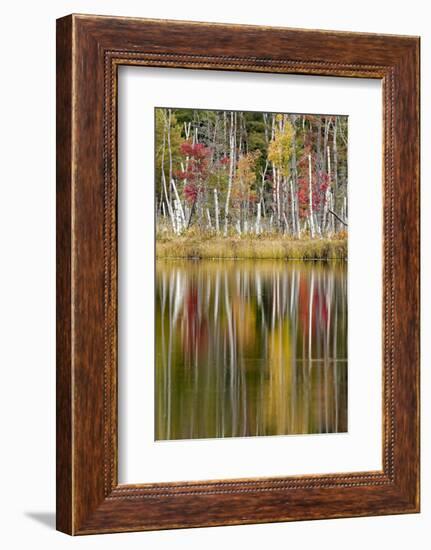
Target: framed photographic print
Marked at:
237, 274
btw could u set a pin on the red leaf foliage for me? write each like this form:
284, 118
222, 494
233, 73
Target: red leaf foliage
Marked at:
196, 169
320, 182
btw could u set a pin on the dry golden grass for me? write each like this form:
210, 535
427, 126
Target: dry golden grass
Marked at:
251, 247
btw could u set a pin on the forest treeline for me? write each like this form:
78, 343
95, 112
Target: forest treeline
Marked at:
231, 173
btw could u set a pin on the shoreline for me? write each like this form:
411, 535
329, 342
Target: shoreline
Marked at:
250, 248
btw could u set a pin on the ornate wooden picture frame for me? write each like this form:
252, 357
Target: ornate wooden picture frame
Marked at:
89, 51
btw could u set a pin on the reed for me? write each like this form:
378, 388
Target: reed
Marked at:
251, 247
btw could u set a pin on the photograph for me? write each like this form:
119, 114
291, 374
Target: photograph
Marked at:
251, 238
215, 275
237, 259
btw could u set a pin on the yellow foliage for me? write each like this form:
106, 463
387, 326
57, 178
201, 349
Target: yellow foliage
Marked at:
245, 175
280, 148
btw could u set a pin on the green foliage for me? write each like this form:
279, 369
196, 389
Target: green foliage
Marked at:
176, 139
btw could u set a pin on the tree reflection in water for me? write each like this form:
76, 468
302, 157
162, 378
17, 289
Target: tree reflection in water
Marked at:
250, 348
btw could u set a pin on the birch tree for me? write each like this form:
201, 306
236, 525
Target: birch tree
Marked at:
232, 136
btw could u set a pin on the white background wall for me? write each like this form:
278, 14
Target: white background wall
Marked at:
27, 252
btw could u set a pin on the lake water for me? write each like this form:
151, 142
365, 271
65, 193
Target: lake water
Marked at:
250, 348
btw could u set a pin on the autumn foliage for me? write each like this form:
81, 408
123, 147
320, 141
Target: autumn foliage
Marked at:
251, 172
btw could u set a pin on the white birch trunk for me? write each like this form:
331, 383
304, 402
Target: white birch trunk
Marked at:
278, 198
258, 218
335, 152
179, 205
293, 209
187, 128
165, 189
286, 223
327, 193
231, 171
178, 216
210, 225
217, 219
169, 144
310, 198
